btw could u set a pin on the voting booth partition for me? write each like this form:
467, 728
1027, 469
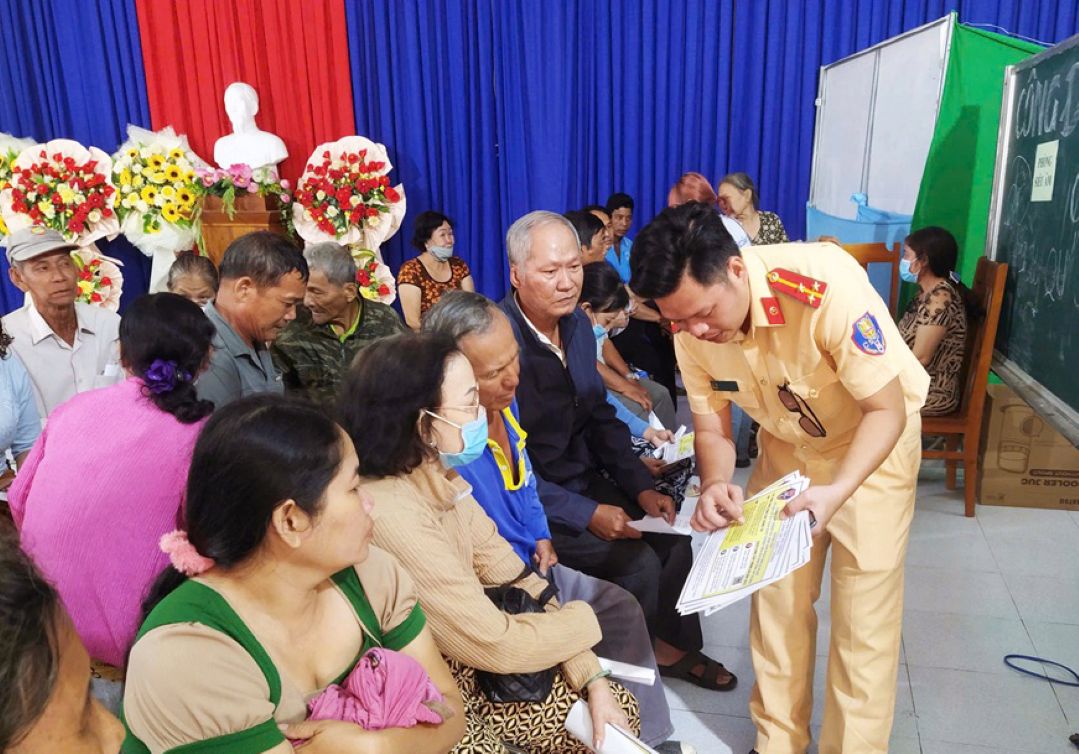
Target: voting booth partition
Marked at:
906, 137
876, 113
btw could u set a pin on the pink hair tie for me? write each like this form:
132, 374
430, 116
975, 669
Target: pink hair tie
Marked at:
185, 558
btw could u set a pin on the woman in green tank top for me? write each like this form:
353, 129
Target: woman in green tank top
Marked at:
275, 592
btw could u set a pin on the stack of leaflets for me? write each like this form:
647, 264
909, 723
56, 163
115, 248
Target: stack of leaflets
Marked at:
737, 561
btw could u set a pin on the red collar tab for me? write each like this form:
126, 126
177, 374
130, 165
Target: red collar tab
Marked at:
772, 312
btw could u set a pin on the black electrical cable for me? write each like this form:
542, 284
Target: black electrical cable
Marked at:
1010, 661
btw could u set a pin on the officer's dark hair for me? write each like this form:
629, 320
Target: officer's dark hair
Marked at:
586, 224
263, 256
618, 200
29, 640
253, 455
596, 208
427, 223
602, 288
687, 239
383, 400
937, 249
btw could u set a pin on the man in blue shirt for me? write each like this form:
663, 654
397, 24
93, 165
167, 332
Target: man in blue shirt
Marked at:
574, 434
504, 484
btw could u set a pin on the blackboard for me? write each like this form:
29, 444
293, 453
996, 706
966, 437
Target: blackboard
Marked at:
1034, 227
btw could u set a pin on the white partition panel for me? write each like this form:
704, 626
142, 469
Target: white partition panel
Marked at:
876, 113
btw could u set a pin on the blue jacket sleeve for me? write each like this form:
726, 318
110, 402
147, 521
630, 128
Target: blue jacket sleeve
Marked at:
564, 507
636, 424
537, 516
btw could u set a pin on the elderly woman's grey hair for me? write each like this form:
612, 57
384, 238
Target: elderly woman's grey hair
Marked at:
519, 236
334, 260
461, 313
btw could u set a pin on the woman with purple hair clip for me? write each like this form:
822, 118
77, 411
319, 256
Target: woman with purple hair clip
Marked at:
105, 480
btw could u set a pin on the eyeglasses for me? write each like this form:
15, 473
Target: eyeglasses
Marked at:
807, 420
473, 414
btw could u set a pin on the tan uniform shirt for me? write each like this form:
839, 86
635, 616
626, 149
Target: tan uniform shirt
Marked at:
820, 328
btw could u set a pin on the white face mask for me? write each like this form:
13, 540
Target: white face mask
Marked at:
441, 253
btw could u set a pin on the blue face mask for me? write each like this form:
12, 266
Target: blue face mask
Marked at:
599, 331
441, 253
474, 437
905, 273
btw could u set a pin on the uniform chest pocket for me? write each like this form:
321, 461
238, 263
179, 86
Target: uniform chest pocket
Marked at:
739, 392
822, 391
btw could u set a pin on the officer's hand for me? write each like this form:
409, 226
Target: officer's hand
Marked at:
822, 501
720, 505
657, 504
611, 522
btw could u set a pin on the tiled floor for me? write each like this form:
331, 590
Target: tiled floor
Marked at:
977, 589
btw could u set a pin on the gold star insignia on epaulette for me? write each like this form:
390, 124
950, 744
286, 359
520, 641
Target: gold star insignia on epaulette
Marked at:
799, 287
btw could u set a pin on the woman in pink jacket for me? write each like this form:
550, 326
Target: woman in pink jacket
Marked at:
106, 478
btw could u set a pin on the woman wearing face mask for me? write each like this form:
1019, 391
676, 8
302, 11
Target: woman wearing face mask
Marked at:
605, 300
423, 279
412, 408
934, 325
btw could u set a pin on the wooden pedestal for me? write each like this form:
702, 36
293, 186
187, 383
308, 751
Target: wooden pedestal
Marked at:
253, 212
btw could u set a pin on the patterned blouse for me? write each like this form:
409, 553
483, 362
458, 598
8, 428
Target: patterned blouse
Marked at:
771, 230
941, 306
414, 273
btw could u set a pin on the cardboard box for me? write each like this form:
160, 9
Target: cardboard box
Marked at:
1024, 461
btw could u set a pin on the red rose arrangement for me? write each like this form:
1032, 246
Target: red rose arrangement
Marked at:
373, 278
344, 191
62, 192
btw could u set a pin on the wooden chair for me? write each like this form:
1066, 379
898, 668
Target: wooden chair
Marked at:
872, 253
964, 427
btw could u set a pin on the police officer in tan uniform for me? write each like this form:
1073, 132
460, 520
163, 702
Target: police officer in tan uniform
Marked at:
796, 336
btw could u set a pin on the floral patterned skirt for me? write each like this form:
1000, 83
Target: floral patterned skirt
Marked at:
534, 727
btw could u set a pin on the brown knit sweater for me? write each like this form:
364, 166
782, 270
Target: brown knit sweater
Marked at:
430, 522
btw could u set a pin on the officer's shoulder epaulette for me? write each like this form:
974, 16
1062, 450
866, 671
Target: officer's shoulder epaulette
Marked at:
808, 290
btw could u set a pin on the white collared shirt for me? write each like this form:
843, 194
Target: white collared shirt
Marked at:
58, 370
540, 336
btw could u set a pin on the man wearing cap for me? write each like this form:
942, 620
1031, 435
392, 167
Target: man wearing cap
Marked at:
68, 347
796, 336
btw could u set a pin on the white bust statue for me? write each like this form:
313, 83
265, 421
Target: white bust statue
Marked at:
246, 145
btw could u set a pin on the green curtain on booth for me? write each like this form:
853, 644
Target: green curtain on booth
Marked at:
958, 177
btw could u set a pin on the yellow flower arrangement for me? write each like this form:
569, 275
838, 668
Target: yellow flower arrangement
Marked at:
159, 191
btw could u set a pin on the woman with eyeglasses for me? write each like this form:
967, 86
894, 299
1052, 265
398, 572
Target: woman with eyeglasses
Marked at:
412, 408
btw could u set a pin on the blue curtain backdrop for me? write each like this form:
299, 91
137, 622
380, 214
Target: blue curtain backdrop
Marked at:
73, 69
492, 108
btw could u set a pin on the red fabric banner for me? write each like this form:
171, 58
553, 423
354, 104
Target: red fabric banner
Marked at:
295, 55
